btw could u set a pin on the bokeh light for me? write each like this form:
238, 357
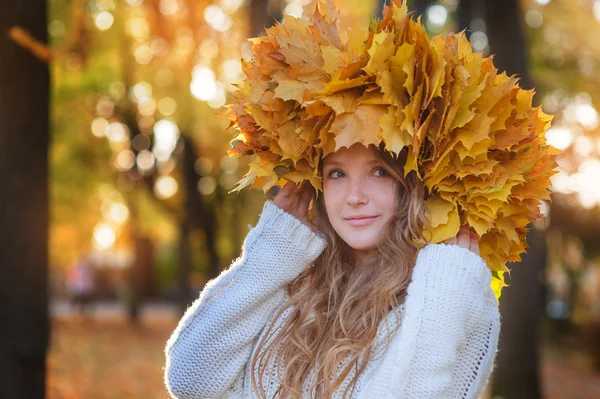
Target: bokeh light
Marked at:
209, 49
437, 15
203, 85
167, 106
207, 185
104, 236
165, 187
104, 20
168, 7
559, 137
216, 18
147, 107
118, 212
479, 40
231, 70
294, 8
145, 161
166, 134
117, 132
229, 164
56, 28
138, 28
231, 6
203, 166
105, 107
99, 127
143, 54
141, 142
534, 18
125, 160
140, 91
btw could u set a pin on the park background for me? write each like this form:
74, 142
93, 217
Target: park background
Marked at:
114, 184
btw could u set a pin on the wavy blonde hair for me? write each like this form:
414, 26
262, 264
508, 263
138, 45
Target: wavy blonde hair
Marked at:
348, 300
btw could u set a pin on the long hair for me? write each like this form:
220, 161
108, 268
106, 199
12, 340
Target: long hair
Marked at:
347, 301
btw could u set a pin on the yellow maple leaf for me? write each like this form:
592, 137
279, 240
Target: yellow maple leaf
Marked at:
444, 219
290, 90
360, 126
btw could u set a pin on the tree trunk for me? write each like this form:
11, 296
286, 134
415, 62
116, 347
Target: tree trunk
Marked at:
517, 364
465, 15
199, 210
420, 6
263, 14
185, 267
504, 22
24, 140
416, 6
142, 279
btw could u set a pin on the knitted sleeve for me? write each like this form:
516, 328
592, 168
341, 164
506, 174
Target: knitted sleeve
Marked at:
457, 340
446, 344
207, 352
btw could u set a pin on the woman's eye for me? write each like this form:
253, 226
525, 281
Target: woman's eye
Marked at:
381, 172
333, 175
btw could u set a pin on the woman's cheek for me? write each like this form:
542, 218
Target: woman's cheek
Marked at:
383, 187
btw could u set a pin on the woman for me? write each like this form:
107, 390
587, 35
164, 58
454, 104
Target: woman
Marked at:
346, 306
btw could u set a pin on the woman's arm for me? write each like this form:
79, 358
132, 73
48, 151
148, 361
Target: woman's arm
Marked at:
448, 311
459, 324
207, 352
476, 358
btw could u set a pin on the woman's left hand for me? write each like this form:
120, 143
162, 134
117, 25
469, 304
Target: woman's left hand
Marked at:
465, 239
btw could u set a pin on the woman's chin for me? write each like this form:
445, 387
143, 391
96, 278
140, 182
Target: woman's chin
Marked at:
362, 245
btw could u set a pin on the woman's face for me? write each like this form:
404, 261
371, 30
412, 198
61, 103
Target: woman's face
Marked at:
359, 195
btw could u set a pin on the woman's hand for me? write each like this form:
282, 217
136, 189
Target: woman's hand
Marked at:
465, 239
295, 200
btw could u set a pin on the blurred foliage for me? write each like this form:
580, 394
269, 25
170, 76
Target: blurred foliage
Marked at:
109, 50
147, 61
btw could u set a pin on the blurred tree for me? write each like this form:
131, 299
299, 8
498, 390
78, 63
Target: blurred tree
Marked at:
517, 373
420, 6
24, 114
263, 14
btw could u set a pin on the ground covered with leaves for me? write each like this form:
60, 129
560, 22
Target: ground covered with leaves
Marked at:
109, 358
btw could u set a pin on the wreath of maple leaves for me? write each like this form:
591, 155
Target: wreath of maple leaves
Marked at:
470, 133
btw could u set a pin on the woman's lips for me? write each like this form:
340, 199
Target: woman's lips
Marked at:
362, 221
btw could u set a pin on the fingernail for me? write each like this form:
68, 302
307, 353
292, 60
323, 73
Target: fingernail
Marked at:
473, 236
464, 226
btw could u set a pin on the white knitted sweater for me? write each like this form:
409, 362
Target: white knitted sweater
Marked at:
445, 347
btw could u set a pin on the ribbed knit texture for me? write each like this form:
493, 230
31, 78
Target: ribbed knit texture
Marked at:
445, 347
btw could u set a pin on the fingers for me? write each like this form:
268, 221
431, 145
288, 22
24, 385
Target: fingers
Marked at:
307, 191
295, 199
464, 240
288, 192
287, 189
474, 245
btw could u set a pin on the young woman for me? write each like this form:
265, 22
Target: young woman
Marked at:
344, 307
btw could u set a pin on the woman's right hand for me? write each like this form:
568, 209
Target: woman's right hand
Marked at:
295, 200
465, 239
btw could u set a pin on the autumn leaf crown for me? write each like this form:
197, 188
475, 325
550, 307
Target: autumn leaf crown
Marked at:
470, 133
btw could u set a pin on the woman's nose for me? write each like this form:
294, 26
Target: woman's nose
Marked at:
356, 192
